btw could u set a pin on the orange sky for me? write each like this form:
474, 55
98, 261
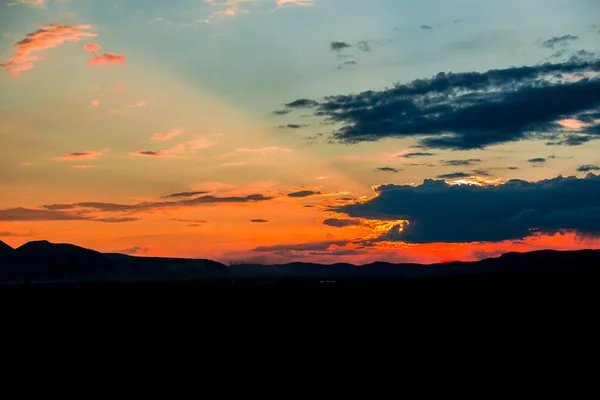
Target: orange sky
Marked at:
151, 130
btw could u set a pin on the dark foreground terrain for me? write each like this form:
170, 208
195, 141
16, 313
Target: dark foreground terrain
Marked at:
49, 275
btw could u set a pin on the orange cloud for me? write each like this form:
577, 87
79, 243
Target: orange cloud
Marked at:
92, 47
84, 155
572, 124
166, 136
106, 59
94, 103
47, 37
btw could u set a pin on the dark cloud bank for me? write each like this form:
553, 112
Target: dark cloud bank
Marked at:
439, 212
472, 110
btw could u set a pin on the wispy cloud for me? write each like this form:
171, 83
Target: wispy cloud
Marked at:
181, 150
150, 153
47, 37
281, 3
32, 3
264, 149
161, 137
92, 47
94, 103
106, 59
84, 155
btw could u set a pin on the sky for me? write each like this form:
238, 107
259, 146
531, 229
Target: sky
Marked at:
301, 130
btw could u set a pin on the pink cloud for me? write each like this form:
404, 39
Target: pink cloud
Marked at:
181, 150
33, 3
106, 59
117, 88
92, 47
47, 37
84, 155
94, 103
297, 2
161, 137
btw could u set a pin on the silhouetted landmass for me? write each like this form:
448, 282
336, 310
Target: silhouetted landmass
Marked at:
45, 262
5, 250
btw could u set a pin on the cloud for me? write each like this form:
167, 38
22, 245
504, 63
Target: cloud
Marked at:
388, 169
182, 150
234, 164
559, 41
281, 112
132, 251
417, 154
166, 136
281, 3
459, 163
292, 126
363, 46
84, 155
302, 103
32, 3
116, 220
341, 223
426, 27
538, 160
263, 149
92, 47
155, 205
14, 234
440, 212
339, 46
150, 153
197, 222
588, 168
303, 193
259, 221
94, 103
48, 36
106, 59
50, 214
184, 194
314, 246
454, 175
471, 110
346, 63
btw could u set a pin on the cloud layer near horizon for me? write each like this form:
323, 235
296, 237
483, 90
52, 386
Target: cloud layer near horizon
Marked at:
440, 212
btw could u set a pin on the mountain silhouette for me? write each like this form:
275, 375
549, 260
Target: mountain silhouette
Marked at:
5, 250
42, 261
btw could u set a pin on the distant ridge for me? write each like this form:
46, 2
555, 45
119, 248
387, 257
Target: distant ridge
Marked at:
5, 249
42, 261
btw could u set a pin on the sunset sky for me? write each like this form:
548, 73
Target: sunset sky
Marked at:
316, 130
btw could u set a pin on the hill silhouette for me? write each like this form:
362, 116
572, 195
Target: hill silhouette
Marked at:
5, 250
42, 261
